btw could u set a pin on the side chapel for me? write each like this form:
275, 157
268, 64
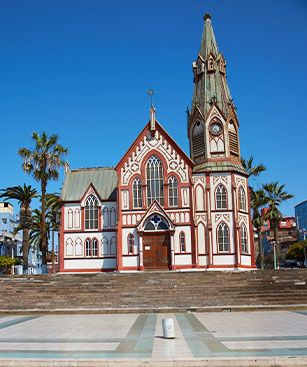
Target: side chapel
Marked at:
160, 209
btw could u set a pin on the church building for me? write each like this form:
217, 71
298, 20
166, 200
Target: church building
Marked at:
158, 208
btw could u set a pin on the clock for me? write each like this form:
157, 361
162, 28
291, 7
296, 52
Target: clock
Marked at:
215, 128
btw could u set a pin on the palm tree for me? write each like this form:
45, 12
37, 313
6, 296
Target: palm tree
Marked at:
35, 237
257, 198
43, 162
54, 205
250, 168
258, 201
275, 196
24, 195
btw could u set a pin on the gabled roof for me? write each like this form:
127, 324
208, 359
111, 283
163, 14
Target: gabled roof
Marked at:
77, 182
165, 134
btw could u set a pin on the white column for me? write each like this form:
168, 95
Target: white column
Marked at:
140, 251
172, 251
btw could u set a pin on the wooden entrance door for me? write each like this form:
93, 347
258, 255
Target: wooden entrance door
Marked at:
156, 251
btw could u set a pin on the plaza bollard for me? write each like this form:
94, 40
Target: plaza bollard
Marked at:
168, 328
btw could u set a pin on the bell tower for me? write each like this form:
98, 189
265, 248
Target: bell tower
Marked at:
212, 123
223, 230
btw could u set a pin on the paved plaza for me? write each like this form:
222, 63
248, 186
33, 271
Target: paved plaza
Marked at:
133, 339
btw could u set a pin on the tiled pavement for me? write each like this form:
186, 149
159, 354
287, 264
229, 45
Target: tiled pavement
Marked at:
102, 338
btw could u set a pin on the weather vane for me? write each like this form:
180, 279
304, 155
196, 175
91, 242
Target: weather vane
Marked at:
151, 92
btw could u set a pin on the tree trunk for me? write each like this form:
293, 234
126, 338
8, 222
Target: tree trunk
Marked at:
260, 248
25, 250
53, 265
43, 234
275, 229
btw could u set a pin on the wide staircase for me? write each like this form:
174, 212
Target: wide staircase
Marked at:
154, 291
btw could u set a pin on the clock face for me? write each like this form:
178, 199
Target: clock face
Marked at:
215, 128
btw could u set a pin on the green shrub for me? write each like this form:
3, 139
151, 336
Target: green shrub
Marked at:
7, 262
296, 251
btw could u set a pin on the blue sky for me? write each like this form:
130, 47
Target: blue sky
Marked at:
81, 69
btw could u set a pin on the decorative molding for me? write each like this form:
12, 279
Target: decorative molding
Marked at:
243, 218
158, 142
200, 218
219, 217
240, 181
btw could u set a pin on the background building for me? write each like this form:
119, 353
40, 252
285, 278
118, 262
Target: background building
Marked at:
301, 216
11, 244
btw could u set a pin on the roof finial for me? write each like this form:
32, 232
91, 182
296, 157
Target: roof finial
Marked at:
207, 16
66, 167
150, 92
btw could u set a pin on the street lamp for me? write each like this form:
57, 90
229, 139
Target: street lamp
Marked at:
275, 255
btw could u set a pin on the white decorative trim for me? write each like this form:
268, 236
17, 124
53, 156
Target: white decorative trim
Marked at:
220, 217
158, 142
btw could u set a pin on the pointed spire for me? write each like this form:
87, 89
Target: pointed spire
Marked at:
210, 74
208, 41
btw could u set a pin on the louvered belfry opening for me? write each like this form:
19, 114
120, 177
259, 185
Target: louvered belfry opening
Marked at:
233, 140
198, 139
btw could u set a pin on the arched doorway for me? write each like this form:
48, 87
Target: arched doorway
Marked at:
156, 244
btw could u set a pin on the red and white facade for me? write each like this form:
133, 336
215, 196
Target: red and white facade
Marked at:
159, 209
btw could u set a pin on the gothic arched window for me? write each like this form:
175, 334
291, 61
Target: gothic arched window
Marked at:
242, 199
77, 218
91, 213
130, 240
87, 247
79, 247
155, 222
94, 247
223, 237
69, 247
137, 193
91, 247
221, 197
173, 191
106, 217
182, 242
112, 217
198, 139
70, 218
155, 180
113, 246
243, 235
104, 247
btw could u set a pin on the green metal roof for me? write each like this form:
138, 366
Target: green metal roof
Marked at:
77, 181
211, 86
219, 167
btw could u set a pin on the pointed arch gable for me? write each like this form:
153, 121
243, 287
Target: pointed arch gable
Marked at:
216, 112
155, 208
91, 190
139, 140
